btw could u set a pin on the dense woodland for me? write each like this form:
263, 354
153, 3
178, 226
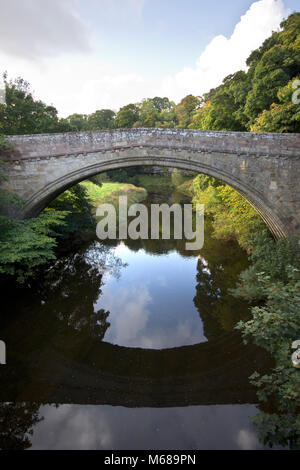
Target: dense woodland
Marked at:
259, 100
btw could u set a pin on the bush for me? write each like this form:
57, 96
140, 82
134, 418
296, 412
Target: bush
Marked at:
274, 326
27, 244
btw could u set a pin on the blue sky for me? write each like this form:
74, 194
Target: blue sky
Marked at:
176, 29
82, 55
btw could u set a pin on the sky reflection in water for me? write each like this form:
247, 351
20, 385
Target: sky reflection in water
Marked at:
151, 304
153, 297
106, 427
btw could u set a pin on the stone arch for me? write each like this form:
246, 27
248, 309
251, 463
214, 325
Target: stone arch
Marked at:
263, 168
43, 197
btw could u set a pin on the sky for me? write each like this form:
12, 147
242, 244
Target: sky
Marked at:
84, 55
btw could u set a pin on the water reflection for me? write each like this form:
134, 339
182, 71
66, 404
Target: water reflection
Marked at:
17, 421
31, 426
135, 340
151, 306
109, 428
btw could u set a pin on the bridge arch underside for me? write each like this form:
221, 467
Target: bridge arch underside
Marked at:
42, 198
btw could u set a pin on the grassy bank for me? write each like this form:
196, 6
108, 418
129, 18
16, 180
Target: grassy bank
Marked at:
155, 183
109, 192
161, 183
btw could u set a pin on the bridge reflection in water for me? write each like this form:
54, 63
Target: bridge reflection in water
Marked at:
210, 373
58, 352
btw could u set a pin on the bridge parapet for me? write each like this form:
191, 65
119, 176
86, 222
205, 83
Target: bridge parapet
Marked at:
240, 143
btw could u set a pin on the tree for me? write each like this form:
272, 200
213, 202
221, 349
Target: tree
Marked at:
273, 66
77, 210
201, 120
185, 110
233, 216
77, 122
127, 116
282, 117
253, 100
25, 244
162, 104
101, 119
17, 422
22, 114
148, 114
274, 327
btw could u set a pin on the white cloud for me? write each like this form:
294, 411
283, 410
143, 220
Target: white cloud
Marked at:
35, 29
83, 83
247, 440
112, 91
48, 44
75, 427
129, 314
225, 56
79, 84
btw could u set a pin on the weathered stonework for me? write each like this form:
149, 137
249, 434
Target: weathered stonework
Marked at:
264, 168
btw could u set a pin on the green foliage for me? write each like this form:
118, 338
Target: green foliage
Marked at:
254, 100
272, 67
109, 193
225, 110
268, 257
155, 112
282, 430
201, 119
282, 117
233, 216
76, 206
203, 182
77, 122
275, 326
148, 114
124, 175
100, 179
22, 114
127, 116
274, 276
156, 183
278, 320
185, 110
101, 119
27, 244
5, 145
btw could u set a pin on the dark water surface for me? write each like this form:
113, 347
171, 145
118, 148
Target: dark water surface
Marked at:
130, 346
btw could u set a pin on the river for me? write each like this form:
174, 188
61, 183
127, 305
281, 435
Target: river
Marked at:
130, 345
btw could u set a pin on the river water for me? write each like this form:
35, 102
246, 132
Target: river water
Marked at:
130, 345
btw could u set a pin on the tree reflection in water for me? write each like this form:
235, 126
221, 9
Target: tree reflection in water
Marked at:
53, 333
17, 421
72, 287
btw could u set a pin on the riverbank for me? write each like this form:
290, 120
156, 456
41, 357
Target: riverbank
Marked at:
109, 192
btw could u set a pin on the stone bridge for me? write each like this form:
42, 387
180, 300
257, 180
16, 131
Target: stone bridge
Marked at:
264, 168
